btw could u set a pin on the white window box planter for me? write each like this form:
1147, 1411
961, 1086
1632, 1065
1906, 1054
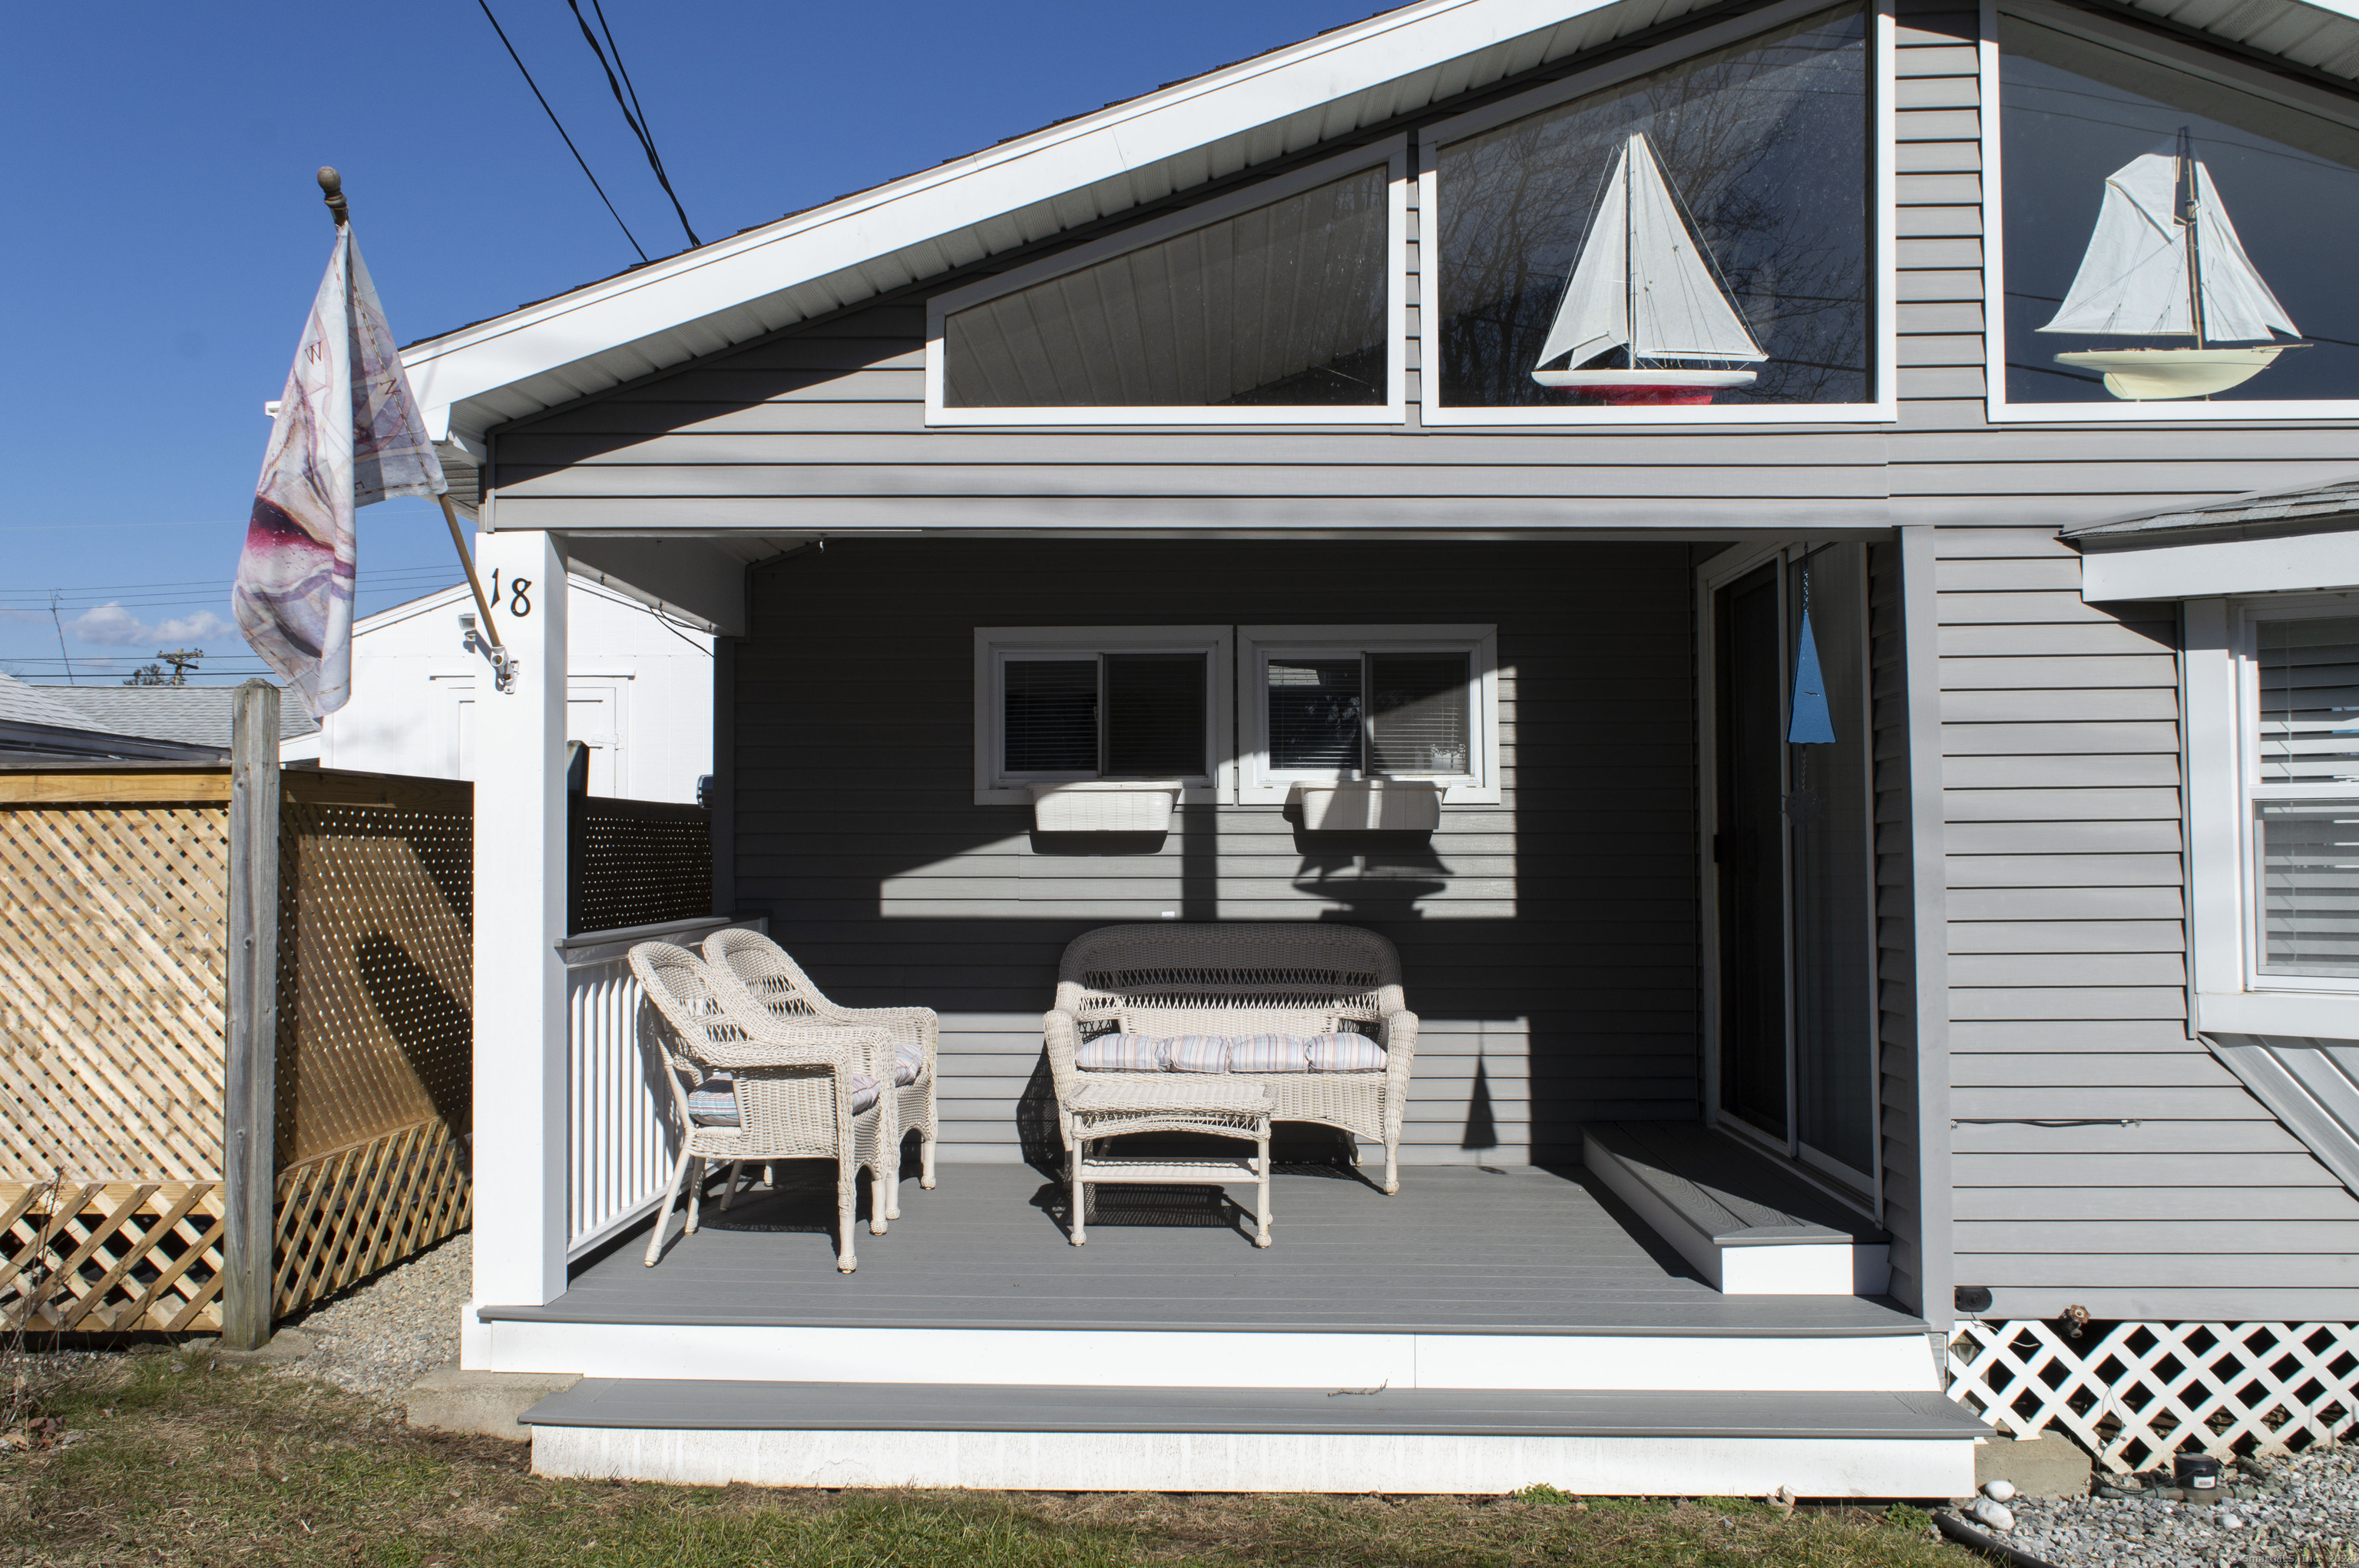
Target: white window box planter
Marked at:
1105, 805
1377, 805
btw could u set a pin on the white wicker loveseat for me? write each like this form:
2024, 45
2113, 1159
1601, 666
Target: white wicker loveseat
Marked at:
1244, 979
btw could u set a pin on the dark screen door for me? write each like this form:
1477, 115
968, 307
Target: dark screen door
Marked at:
1748, 849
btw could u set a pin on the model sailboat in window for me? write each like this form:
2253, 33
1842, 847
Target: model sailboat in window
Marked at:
2166, 262
1643, 283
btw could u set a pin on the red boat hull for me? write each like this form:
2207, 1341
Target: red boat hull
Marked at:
1649, 396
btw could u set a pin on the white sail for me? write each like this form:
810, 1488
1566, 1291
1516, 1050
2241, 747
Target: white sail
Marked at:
2238, 306
1678, 310
2133, 278
1642, 280
1595, 315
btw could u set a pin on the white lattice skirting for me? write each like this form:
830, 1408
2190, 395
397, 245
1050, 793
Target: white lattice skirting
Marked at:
2137, 1392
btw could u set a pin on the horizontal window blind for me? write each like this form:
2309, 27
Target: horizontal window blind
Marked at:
1155, 715
1417, 720
2308, 874
1314, 714
2309, 700
1051, 716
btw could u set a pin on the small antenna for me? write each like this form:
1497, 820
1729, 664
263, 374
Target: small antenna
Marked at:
334, 184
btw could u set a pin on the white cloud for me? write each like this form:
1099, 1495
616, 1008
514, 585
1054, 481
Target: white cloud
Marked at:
112, 626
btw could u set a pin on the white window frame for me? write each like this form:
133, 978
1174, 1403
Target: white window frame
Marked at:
2191, 58
1882, 268
1390, 154
2222, 680
994, 645
1260, 784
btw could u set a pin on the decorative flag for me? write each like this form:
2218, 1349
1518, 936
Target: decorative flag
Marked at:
347, 433
1813, 723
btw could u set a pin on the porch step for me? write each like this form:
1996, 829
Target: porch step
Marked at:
1395, 1440
1749, 1226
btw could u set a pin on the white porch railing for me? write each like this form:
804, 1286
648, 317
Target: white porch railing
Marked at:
620, 1134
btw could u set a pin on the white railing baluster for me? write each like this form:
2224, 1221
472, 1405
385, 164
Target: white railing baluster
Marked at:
620, 1138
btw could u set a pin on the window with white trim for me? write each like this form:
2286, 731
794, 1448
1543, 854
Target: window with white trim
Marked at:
2168, 228
2302, 796
1281, 302
1055, 704
1326, 705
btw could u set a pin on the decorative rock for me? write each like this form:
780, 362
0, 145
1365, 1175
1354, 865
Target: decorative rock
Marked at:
1997, 1515
1998, 1491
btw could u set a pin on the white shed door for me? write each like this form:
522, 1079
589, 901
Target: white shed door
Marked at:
593, 716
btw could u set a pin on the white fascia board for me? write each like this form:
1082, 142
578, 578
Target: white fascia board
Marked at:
641, 304
2209, 568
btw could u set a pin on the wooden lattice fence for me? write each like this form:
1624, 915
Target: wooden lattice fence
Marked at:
114, 901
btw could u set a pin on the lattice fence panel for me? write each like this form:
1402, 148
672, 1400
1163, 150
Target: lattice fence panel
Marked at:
347, 1214
375, 993
109, 1257
635, 862
113, 974
2135, 1393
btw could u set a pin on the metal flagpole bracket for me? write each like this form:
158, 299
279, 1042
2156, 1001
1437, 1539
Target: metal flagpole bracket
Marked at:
503, 668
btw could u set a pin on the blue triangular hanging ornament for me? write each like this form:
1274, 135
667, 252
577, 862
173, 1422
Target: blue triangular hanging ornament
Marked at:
1813, 723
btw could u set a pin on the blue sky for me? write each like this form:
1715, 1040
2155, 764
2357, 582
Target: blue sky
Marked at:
165, 236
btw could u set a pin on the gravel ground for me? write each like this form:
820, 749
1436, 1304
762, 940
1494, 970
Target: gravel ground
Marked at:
384, 1335
2303, 1510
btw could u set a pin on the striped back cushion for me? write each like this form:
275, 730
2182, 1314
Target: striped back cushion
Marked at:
1120, 1053
1269, 1053
1345, 1052
908, 1060
1198, 1053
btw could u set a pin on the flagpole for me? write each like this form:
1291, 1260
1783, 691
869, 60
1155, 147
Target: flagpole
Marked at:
333, 183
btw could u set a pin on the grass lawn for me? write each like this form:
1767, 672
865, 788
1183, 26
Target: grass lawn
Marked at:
170, 1460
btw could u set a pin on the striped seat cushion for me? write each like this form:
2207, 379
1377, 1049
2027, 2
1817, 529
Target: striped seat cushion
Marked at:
1342, 1052
713, 1103
908, 1060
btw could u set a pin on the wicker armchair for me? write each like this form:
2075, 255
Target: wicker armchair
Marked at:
793, 1089
1245, 978
752, 971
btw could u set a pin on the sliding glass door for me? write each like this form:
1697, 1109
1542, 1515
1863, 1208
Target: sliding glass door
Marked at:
1793, 879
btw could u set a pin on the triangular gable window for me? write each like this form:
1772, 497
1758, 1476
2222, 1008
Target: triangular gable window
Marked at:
1284, 307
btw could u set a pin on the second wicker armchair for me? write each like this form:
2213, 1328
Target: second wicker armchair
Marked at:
752, 971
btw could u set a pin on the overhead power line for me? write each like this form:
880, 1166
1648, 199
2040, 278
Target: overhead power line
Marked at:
638, 121
553, 120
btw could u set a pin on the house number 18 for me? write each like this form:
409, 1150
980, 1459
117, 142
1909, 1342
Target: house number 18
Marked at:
519, 601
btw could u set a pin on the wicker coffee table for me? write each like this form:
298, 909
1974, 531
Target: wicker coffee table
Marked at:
1218, 1105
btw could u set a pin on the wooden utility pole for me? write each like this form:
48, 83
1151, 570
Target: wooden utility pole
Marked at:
249, 1080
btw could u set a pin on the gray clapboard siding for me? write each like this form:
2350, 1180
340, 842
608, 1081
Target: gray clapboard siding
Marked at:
1553, 954
2069, 1002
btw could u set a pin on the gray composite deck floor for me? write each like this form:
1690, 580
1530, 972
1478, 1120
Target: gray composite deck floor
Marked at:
1459, 1250
636, 1403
